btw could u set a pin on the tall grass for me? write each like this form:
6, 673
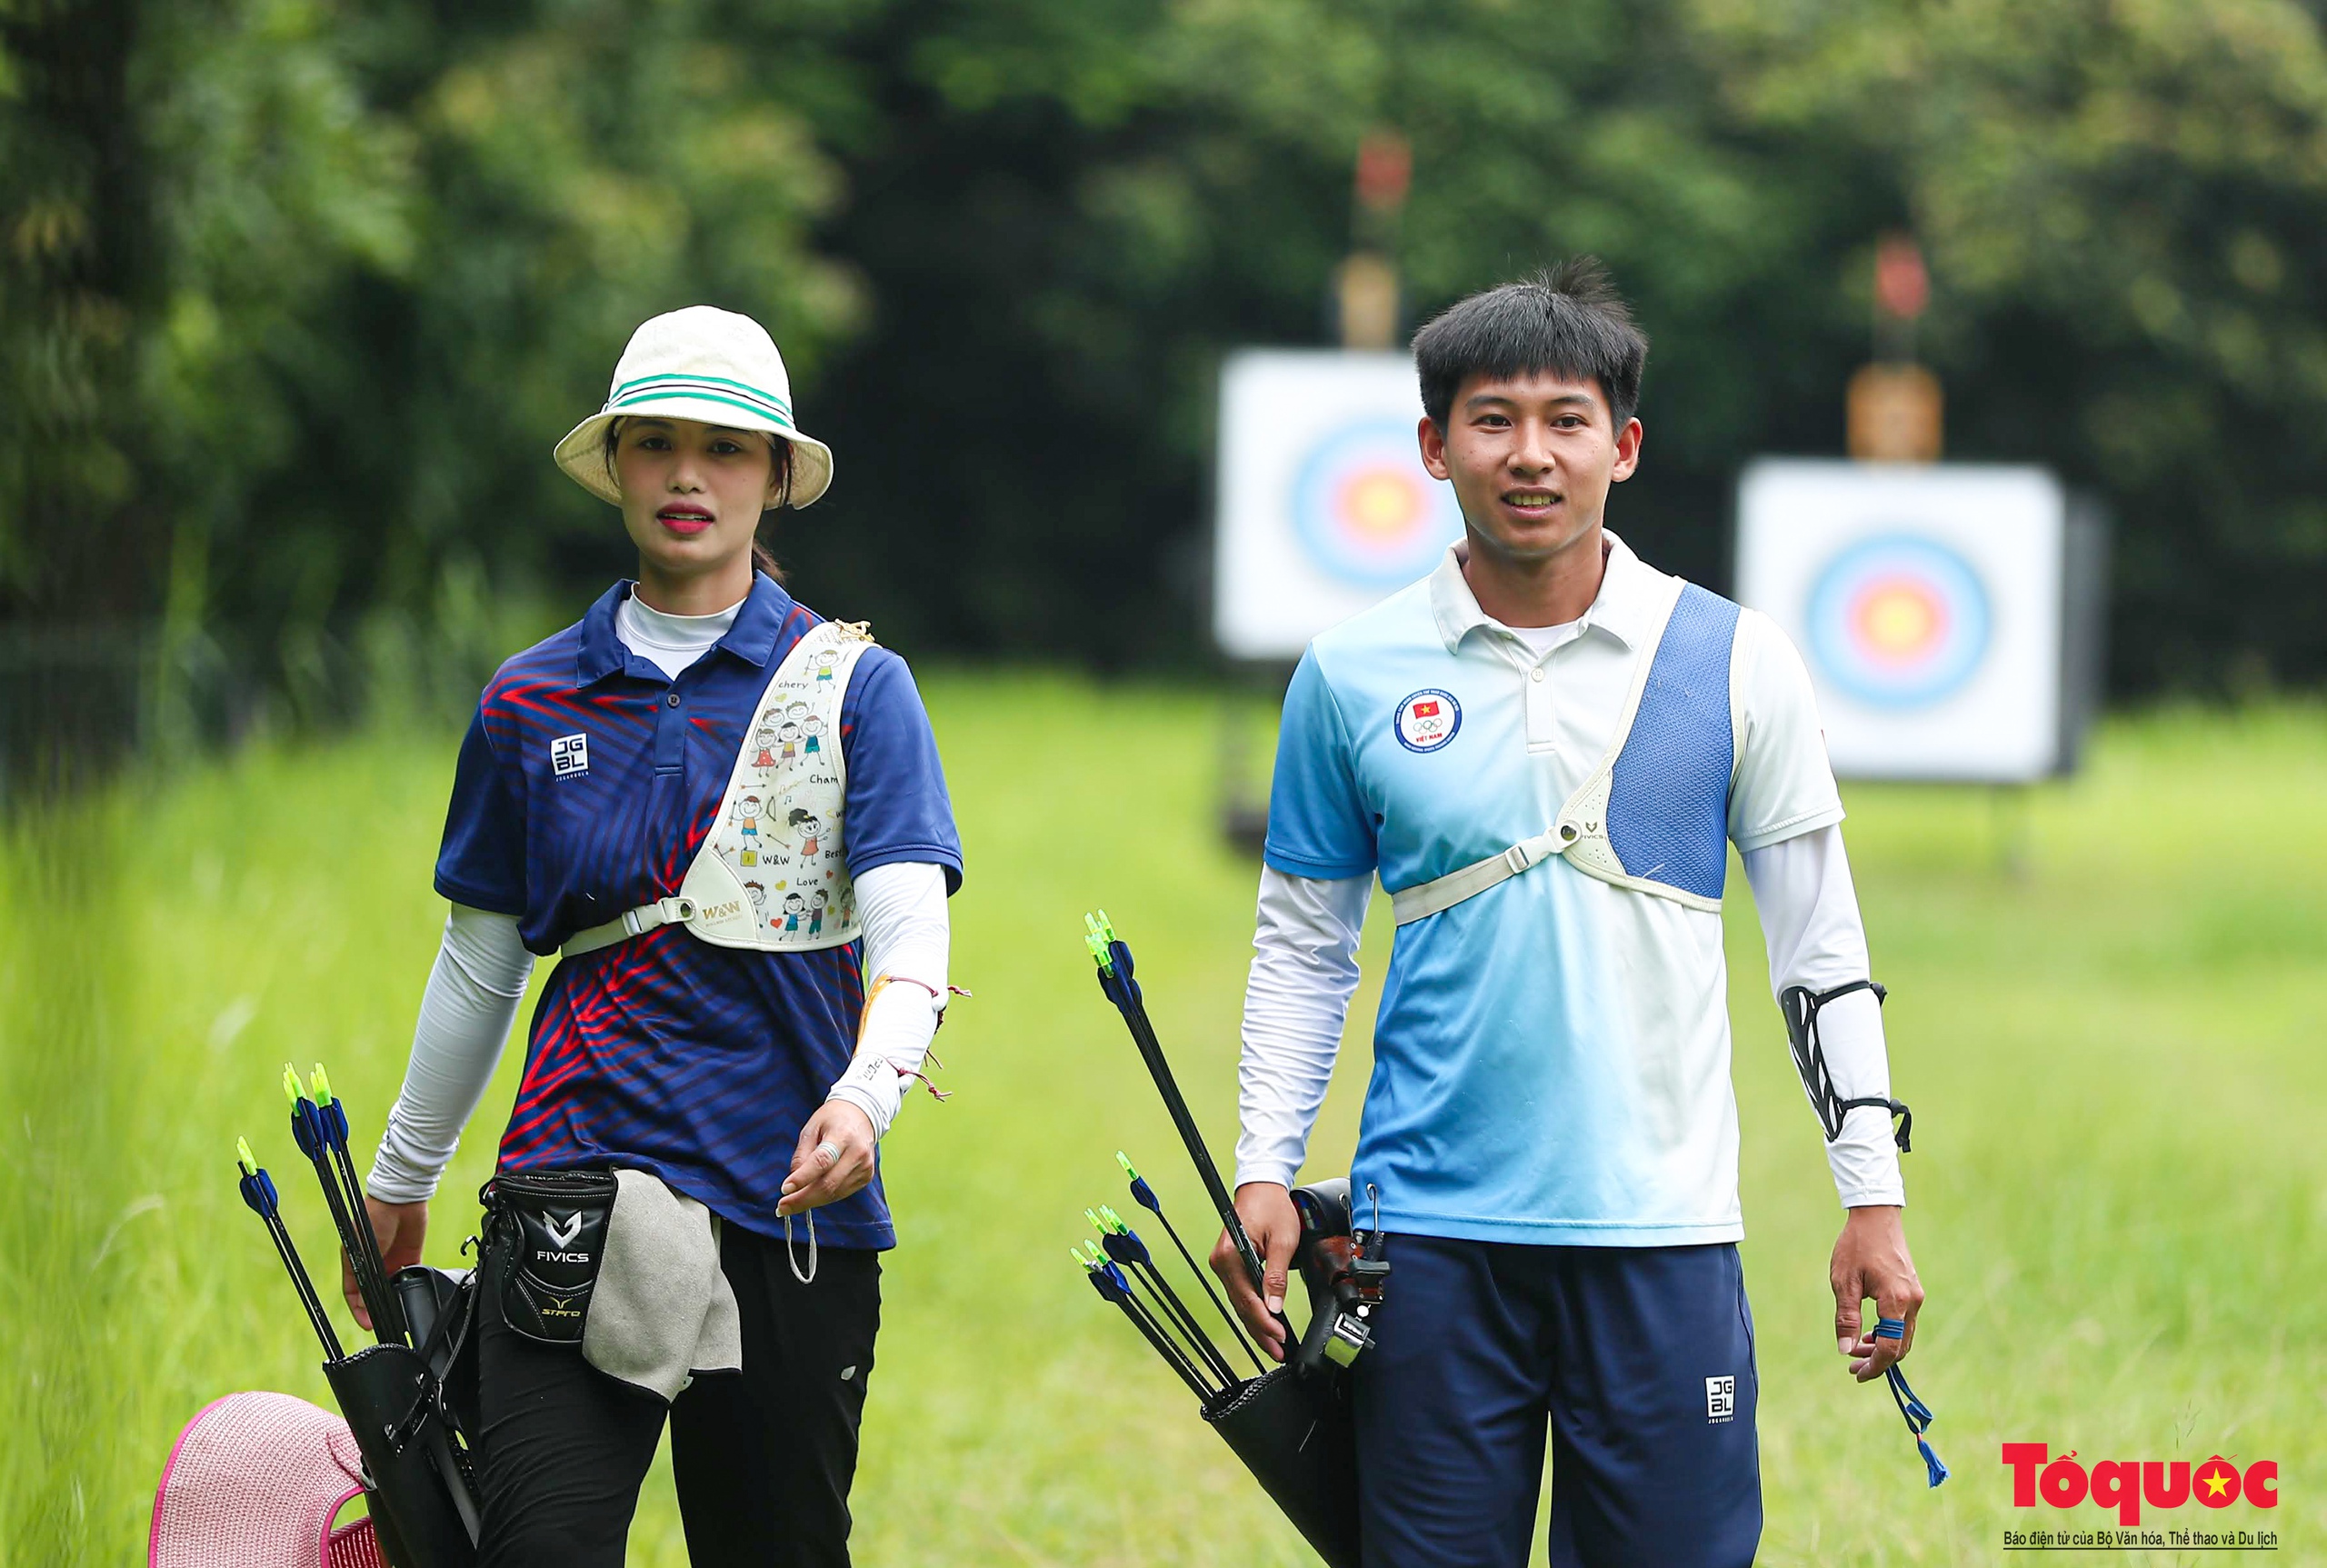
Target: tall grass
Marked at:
2118, 1191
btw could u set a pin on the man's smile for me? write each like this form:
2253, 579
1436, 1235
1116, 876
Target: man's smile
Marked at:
1531, 502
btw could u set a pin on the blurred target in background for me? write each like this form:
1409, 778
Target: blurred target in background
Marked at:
1899, 621
1324, 507
1948, 612
1366, 510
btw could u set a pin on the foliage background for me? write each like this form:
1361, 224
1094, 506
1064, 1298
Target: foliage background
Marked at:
294, 294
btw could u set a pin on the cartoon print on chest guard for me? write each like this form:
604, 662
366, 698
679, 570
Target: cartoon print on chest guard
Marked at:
808, 828
782, 823
747, 821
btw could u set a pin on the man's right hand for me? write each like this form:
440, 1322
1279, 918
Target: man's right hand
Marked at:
1269, 1219
401, 1228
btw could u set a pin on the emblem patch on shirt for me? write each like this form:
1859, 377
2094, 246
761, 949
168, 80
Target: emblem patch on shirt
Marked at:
1720, 1399
569, 755
1428, 720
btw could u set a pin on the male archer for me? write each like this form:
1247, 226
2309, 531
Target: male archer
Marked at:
1544, 750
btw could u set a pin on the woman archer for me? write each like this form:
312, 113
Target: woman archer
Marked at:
726, 1070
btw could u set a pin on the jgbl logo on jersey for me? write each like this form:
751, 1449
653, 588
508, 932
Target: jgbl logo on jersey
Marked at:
569, 755
1428, 720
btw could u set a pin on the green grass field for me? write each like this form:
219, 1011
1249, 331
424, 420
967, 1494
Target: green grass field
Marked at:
2118, 1190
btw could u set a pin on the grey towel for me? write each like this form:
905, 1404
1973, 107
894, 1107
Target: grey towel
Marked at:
662, 1310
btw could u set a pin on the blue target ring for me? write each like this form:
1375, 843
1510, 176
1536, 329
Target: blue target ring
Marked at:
1899, 622
1367, 511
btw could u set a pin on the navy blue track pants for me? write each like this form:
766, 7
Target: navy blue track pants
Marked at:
1641, 1358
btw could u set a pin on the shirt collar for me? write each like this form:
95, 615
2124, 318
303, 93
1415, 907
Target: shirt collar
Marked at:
751, 639
1622, 608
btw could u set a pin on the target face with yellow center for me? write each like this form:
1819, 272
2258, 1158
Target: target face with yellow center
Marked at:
1366, 510
1899, 621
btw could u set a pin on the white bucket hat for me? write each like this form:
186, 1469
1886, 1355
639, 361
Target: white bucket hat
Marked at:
700, 364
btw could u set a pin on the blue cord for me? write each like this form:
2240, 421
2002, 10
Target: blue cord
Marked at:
1914, 1412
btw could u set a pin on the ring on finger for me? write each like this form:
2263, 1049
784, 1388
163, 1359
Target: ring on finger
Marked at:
830, 1150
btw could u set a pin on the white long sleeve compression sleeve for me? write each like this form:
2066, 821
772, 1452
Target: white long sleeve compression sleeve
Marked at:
908, 937
465, 1016
1812, 929
1296, 999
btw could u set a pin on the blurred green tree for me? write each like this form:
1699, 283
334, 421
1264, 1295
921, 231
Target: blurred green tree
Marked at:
2116, 201
294, 294
382, 257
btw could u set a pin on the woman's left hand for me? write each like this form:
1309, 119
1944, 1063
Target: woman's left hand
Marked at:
834, 1159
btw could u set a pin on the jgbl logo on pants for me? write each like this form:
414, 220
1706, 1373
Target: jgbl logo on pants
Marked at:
1720, 1399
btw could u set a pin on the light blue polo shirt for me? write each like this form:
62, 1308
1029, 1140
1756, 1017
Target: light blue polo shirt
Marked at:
1552, 1055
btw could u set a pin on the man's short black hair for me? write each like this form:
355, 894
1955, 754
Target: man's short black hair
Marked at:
1566, 320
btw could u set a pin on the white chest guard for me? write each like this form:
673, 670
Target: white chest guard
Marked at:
771, 874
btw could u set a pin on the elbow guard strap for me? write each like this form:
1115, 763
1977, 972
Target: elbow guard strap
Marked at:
1801, 1006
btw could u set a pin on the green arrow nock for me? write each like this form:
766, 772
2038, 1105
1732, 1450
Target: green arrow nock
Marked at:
290, 1089
1098, 936
1096, 1222
1125, 1161
245, 1158
322, 1083
1114, 1221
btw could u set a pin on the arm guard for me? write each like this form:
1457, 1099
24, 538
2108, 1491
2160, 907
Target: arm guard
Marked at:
1801, 1006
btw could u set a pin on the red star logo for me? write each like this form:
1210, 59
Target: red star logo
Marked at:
2215, 1482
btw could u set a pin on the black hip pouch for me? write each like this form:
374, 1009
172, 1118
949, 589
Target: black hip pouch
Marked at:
544, 1241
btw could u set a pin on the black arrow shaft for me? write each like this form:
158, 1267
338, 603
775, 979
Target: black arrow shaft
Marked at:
286, 1249
1170, 1312
1163, 1345
1234, 1326
1159, 1068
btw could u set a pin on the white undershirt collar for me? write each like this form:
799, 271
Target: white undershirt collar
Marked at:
671, 642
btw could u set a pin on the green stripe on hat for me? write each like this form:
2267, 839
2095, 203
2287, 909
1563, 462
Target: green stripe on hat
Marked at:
666, 394
667, 379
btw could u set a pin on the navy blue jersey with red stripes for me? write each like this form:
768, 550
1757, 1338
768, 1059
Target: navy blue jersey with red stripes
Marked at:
586, 784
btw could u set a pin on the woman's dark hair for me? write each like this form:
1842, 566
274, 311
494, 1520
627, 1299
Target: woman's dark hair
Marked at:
780, 450
1566, 320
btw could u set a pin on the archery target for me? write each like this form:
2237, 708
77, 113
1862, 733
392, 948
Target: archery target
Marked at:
1900, 621
1324, 506
1925, 601
1365, 508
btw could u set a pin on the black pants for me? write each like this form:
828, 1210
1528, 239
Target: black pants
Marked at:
763, 1460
